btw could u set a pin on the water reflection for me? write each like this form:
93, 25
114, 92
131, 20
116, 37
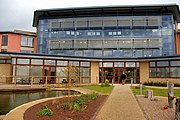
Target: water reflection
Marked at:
10, 100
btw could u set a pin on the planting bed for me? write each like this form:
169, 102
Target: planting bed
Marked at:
91, 107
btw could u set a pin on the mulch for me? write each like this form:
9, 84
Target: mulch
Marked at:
60, 114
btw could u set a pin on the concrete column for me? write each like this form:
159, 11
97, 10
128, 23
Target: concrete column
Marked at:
95, 72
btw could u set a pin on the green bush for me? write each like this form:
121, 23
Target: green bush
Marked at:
79, 102
45, 111
162, 84
102, 84
107, 83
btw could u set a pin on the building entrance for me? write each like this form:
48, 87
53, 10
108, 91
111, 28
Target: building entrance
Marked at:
110, 71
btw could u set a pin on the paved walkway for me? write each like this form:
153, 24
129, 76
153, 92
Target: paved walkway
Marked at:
120, 105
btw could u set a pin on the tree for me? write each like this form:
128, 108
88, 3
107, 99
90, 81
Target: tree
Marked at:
71, 73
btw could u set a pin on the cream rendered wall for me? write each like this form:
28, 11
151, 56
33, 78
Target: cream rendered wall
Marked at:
4, 72
144, 71
94, 72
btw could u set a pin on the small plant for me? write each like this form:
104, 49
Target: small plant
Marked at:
163, 84
107, 83
102, 84
45, 111
79, 103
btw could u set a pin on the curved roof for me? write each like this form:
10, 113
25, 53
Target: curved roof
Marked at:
106, 10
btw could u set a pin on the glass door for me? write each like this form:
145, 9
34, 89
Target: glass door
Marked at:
50, 73
117, 74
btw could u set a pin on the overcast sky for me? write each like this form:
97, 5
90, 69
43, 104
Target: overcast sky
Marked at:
18, 14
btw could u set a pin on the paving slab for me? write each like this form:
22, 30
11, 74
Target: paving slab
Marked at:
120, 105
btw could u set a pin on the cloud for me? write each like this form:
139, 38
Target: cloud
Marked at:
18, 14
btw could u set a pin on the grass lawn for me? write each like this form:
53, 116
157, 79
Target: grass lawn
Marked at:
98, 88
156, 91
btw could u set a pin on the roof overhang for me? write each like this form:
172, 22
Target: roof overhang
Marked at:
106, 10
9, 55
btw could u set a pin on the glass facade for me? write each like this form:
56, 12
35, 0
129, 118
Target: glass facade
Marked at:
114, 71
115, 36
39, 69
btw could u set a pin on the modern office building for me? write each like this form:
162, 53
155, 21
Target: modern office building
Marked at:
103, 43
18, 41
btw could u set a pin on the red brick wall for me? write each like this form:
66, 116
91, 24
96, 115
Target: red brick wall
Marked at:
178, 43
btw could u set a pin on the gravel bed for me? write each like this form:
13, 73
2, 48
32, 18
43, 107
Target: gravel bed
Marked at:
153, 110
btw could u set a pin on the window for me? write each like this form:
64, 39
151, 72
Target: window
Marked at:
5, 40
164, 69
3, 50
26, 51
27, 41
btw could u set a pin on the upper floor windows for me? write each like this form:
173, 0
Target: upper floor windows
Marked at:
5, 40
27, 41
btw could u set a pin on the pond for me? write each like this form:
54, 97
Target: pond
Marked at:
10, 100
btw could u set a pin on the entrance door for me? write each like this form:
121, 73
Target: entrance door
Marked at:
117, 74
50, 71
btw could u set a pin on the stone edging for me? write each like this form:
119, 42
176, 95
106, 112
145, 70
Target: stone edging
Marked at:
18, 112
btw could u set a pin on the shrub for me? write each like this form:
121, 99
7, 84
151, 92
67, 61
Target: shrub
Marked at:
45, 111
162, 84
107, 83
78, 104
102, 84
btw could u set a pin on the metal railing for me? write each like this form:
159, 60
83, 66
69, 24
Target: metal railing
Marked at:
46, 81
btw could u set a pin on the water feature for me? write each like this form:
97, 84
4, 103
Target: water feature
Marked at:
10, 100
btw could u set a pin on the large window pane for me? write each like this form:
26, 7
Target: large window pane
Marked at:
162, 72
127, 53
107, 64
152, 72
22, 61
130, 64
152, 64
22, 71
84, 72
118, 64
163, 63
36, 62
84, 80
61, 63
125, 43
175, 63
49, 62
95, 44
36, 71
175, 72
27, 41
5, 40
74, 63
97, 53
80, 44
85, 64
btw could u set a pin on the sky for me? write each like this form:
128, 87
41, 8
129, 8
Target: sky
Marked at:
18, 14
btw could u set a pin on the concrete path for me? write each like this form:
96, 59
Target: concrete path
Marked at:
120, 105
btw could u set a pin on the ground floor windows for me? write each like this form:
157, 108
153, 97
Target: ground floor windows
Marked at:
164, 69
114, 71
53, 70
